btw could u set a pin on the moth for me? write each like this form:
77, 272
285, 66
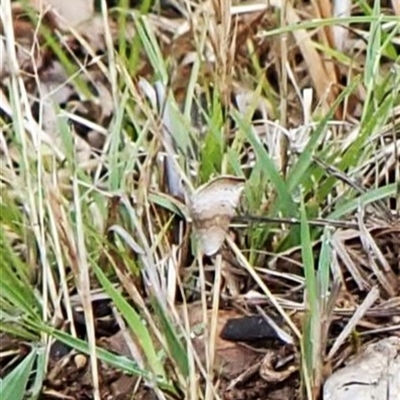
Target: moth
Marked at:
212, 207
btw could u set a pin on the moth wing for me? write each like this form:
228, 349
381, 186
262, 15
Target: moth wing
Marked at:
211, 207
211, 239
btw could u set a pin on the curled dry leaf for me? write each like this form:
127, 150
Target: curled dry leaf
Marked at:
212, 207
268, 371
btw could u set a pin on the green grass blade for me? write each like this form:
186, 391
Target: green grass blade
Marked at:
311, 318
40, 372
308, 262
373, 195
150, 45
176, 350
324, 266
299, 172
285, 202
14, 385
14, 288
135, 323
120, 362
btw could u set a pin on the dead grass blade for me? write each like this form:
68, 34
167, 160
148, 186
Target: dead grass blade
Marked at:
370, 299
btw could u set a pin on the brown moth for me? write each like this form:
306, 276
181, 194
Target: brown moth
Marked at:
212, 207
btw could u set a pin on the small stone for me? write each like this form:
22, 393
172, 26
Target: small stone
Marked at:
80, 361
